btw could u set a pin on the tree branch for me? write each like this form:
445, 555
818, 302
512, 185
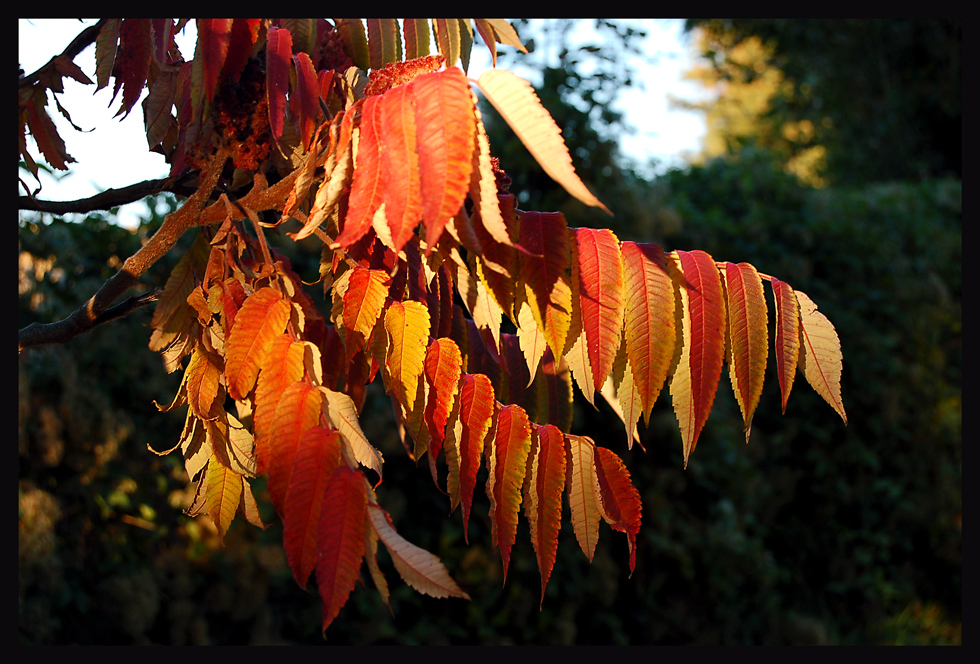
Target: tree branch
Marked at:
77, 45
89, 314
105, 200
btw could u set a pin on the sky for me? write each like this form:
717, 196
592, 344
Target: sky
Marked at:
113, 153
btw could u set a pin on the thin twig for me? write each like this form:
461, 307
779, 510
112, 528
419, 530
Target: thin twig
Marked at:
77, 45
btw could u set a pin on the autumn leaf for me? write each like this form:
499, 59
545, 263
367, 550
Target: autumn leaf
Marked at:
695, 381
261, 319
299, 409
544, 490
748, 337
340, 539
600, 271
821, 358
514, 99
620, 499
224, 492
511, 444
442, 371
278, 53
582, 486
400, 163
317, 456
407, 324
547, 275
787, 336
367, 188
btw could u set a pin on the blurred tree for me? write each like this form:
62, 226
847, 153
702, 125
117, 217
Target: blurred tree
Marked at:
832, 97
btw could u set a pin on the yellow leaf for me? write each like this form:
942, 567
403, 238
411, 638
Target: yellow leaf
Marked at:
514, 99
821, 357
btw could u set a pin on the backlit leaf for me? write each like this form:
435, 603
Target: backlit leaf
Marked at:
543, 508
442, 371
514, 99
278, 53
283, 365
446, 122
399, 163
340, 539
317, 456
649, 319
407, 324
821, 358
261, 319
600, 273
582, 485
417, 567
341, 413
299, 409
476, 399
787, 336
547, 275
224, 492
511, 444
695, 381
367, 188
620, 499
748, 337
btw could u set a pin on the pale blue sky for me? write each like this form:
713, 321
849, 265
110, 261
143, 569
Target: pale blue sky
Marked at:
115, 153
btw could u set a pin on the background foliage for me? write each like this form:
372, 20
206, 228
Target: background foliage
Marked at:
813, 533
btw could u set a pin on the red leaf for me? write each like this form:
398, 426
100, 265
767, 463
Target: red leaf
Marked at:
476, 413
601, 296
244, 32
340, 539
305, 98
620, 499
446, 123
649, 319
278, 51
214, 36
132, 62
399, 164
316, 459
367, 188
695, 381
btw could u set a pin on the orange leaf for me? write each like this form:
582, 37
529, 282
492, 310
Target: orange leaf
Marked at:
748, 337
261, 319
317, 456
305, 103
476, 413
340, 539
407, 324
695, 381
442, 369
547, 275
367, 187
821, 359
514, 99
511, 444
620, 499
282, 366
649, 319
298, 410
446, 122
399, 163
543, 508
600, 271
417, 567
363, 301
787, 336
582, 486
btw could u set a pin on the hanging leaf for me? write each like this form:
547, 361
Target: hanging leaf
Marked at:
400, 164
442, 371
511, 444
695, 382
748, 337
214, 35
299, 409
416, 37
600, 271
546, 275
278, 53
582, 486
340, 539
407, 324
620, 499
514, 99
317, 456
261, 319
787, 336
821, 358
544, 490
367, 188
224, 493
